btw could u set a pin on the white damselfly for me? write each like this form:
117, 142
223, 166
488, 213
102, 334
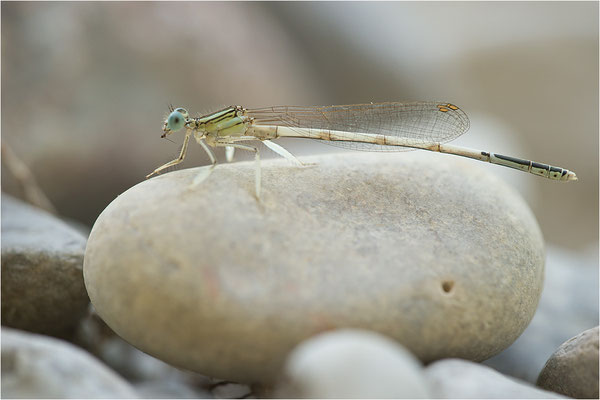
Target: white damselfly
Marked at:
373, 127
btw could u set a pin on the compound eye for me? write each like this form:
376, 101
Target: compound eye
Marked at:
183, 112
176, 119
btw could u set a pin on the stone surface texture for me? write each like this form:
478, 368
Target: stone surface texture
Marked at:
461, 379
352, 363
573, 368
568, 306
42, 278
430, 250
36, 366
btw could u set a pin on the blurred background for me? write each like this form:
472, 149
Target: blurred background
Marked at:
85, 86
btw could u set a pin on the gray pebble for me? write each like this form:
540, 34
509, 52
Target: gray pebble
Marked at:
230, 390
42, 278
573, 368
461, 379
352, 364
36, 366
169, 389
216, 282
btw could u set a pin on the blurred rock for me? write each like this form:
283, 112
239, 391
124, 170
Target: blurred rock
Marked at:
569, 305
409, 247
153, 377
42, 279
92, 332
461, 379
352, 364
36, 366
138, 366
169, 389
573, 368
230, 390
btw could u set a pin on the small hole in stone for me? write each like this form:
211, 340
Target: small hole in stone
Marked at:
447, 286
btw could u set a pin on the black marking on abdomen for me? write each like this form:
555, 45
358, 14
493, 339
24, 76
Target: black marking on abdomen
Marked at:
555, 169
485, 153
513, 159
564, 172
540, 166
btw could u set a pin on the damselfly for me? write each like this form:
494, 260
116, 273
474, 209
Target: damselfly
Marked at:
373, 127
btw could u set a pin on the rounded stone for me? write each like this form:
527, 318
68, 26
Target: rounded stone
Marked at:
42, 277
462, 379
430, 250
37, 366
352, 363
573, 369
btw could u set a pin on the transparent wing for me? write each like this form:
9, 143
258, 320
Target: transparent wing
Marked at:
424, 122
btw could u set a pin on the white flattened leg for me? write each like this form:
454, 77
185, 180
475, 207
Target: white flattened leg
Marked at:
256, 158
206, 170
175, 161
229, 152
282, 152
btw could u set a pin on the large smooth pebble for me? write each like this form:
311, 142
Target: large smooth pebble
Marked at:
430, 250
352, 363
461, 379
36, 366
42, 277
573, 368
